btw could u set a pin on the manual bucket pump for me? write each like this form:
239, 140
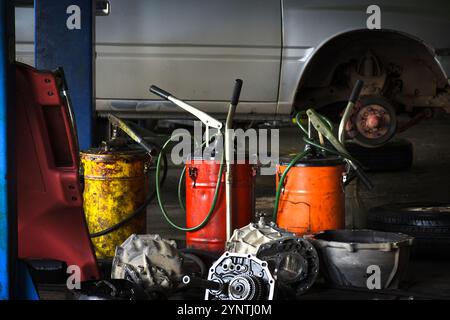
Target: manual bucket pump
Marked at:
211, 213
310, 186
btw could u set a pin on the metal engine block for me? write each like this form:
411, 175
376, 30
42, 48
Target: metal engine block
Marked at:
241, 277
149, 261
292, 260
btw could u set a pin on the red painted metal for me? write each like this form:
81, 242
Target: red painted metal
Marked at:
51, 222
201, 178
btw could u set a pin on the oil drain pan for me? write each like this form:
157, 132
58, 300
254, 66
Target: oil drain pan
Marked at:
349, 257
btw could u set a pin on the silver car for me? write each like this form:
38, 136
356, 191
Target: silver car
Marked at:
291, 54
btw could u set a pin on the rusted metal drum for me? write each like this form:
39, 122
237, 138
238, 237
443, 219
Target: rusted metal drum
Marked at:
201, 178
312, 198
116, 183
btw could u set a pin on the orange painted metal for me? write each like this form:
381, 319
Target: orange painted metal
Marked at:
201, 178
312, 199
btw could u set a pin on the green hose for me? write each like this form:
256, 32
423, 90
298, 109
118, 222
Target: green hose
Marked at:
280, 183
297, 158
294, 161
181, 180
180, 186
342, 155
158, 192
298, 121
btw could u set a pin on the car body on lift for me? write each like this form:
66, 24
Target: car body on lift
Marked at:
291, 54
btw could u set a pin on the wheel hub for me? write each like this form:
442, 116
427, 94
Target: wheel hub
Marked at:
373, 121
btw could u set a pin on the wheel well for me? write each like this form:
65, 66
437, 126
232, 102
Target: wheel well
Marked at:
330, 65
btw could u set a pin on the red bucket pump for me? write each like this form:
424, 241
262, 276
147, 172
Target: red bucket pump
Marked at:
201, 180
211, 213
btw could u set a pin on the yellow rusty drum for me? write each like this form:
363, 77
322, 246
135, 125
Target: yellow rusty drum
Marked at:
115, 184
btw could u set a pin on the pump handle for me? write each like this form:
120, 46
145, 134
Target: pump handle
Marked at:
236, 92
356, 91
160, 92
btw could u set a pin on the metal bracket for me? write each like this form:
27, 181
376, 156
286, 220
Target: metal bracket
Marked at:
193, 173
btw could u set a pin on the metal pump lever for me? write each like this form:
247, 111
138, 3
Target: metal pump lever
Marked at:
203, 117
211, 122
322, 128
229, 147
348, 110
130, 132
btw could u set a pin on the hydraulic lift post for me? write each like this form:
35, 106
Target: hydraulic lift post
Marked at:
15, 278
64, 37
8, 216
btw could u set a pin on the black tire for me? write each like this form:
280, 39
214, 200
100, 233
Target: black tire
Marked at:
396, 155
428, 223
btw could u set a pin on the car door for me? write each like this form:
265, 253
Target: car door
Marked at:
192, 48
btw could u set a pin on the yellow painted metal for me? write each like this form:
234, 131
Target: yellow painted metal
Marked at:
116, 183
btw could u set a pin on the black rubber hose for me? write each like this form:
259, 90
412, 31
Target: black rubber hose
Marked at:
141, 209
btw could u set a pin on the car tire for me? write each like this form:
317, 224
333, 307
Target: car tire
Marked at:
396, 155
428, 223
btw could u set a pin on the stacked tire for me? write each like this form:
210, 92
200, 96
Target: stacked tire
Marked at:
428, 223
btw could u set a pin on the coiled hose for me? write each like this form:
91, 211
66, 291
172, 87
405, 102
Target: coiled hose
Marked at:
180, 201
308, 149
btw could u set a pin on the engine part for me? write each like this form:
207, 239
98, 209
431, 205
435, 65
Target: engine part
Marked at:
201, 179
114, 289
241, 277
312, 196
202, 283
116, 183
349, 257
292, 260
370, 70
149, 261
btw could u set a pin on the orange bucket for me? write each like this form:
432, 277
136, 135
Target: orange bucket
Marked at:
312, 198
